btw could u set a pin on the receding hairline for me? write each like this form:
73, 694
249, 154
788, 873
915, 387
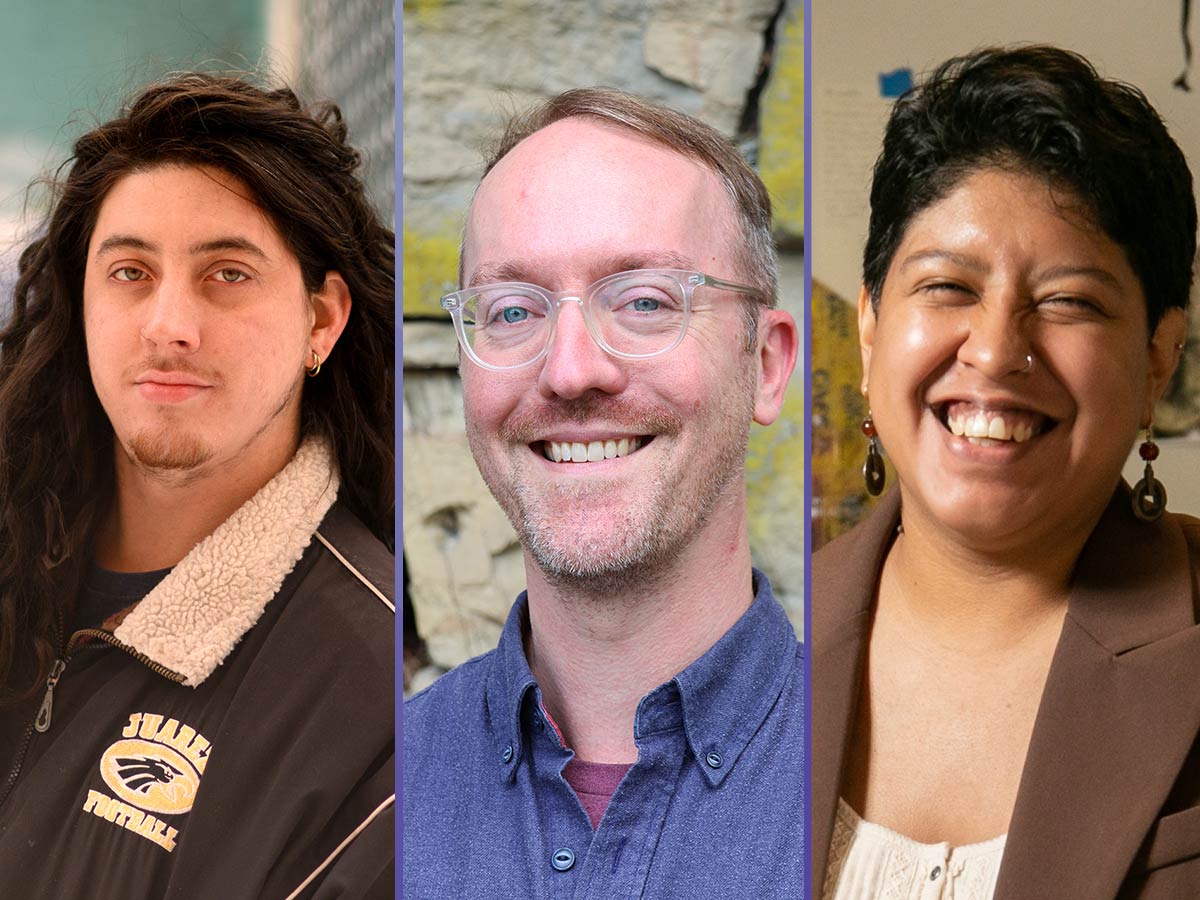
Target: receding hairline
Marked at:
733, 237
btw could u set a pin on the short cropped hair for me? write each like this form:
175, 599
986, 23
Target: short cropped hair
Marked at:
1045, 111
681, 134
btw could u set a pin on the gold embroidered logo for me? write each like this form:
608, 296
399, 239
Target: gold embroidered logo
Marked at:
151, 776
155, 768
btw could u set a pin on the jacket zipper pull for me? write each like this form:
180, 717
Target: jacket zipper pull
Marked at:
42, 723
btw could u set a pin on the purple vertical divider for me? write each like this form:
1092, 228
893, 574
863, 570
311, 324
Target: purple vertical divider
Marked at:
398, 692
808, 436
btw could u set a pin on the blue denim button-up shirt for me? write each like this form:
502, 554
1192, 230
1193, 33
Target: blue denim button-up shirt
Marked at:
713, 807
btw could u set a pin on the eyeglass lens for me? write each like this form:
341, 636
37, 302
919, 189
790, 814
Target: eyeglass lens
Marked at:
639, 315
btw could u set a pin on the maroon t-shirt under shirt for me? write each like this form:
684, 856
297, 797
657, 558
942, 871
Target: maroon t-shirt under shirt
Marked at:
594, 784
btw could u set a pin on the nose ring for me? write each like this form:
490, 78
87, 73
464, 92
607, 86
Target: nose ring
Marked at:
1028, 364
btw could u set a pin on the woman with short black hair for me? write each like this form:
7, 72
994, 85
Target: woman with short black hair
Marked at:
1006, 652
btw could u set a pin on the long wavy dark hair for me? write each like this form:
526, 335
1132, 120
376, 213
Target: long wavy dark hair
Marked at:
56, 444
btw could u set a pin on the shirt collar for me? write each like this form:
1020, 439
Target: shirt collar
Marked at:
509, 681
723, 697
729, 691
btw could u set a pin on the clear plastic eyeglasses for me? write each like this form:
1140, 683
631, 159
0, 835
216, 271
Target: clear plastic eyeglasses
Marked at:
631, 315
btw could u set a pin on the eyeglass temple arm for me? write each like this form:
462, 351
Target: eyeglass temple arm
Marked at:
707, 280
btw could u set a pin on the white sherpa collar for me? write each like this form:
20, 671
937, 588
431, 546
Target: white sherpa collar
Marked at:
216, 593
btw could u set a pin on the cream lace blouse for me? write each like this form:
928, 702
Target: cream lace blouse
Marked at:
869, 862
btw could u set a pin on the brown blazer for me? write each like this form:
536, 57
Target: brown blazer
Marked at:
1109, 800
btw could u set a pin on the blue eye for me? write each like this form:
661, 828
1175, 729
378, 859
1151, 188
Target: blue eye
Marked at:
645, 304
513, 314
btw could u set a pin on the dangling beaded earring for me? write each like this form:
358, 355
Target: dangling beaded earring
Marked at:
874, 474
1149, 495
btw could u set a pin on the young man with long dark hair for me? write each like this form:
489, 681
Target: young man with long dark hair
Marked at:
196, 490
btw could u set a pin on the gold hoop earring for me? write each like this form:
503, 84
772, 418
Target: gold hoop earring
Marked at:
315, 369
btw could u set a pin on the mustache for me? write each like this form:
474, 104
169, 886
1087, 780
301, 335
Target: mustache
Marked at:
172, 364
635, 417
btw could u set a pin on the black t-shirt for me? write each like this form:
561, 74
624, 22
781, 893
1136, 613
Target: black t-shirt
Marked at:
106, 592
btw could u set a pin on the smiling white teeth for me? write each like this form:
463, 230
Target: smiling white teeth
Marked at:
592, 451
979, 425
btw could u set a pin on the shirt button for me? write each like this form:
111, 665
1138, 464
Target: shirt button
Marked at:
937, 870
507, 755
563, 859
714, 760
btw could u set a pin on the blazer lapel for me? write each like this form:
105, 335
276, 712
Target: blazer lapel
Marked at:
1118, 715
844, 580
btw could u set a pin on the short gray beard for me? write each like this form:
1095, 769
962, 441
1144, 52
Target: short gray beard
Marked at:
647, 548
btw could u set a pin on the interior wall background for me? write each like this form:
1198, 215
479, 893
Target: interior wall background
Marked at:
864, 54
470, 64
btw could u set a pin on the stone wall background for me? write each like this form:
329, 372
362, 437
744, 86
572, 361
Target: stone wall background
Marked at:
468, 65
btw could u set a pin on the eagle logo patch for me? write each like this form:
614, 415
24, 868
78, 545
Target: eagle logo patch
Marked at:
150, 776
153, 771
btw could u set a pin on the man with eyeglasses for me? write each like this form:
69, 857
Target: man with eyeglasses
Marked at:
639, 730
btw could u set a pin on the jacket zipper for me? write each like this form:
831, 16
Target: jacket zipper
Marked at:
107, 638
41, 723
19, 759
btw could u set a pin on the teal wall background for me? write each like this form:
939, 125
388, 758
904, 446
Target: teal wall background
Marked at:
66, 63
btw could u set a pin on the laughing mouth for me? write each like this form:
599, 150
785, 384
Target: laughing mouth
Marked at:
591, 451
980, 425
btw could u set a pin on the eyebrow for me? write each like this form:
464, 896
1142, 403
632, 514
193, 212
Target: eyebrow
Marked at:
959, 259
1102, 275
520, 270
132, 242
227, 243
976, 265
124, 242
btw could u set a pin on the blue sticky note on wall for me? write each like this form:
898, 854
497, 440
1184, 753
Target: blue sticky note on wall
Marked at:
895, 83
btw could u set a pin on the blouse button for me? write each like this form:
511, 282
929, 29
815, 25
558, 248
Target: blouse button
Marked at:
937, 870
563, 859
